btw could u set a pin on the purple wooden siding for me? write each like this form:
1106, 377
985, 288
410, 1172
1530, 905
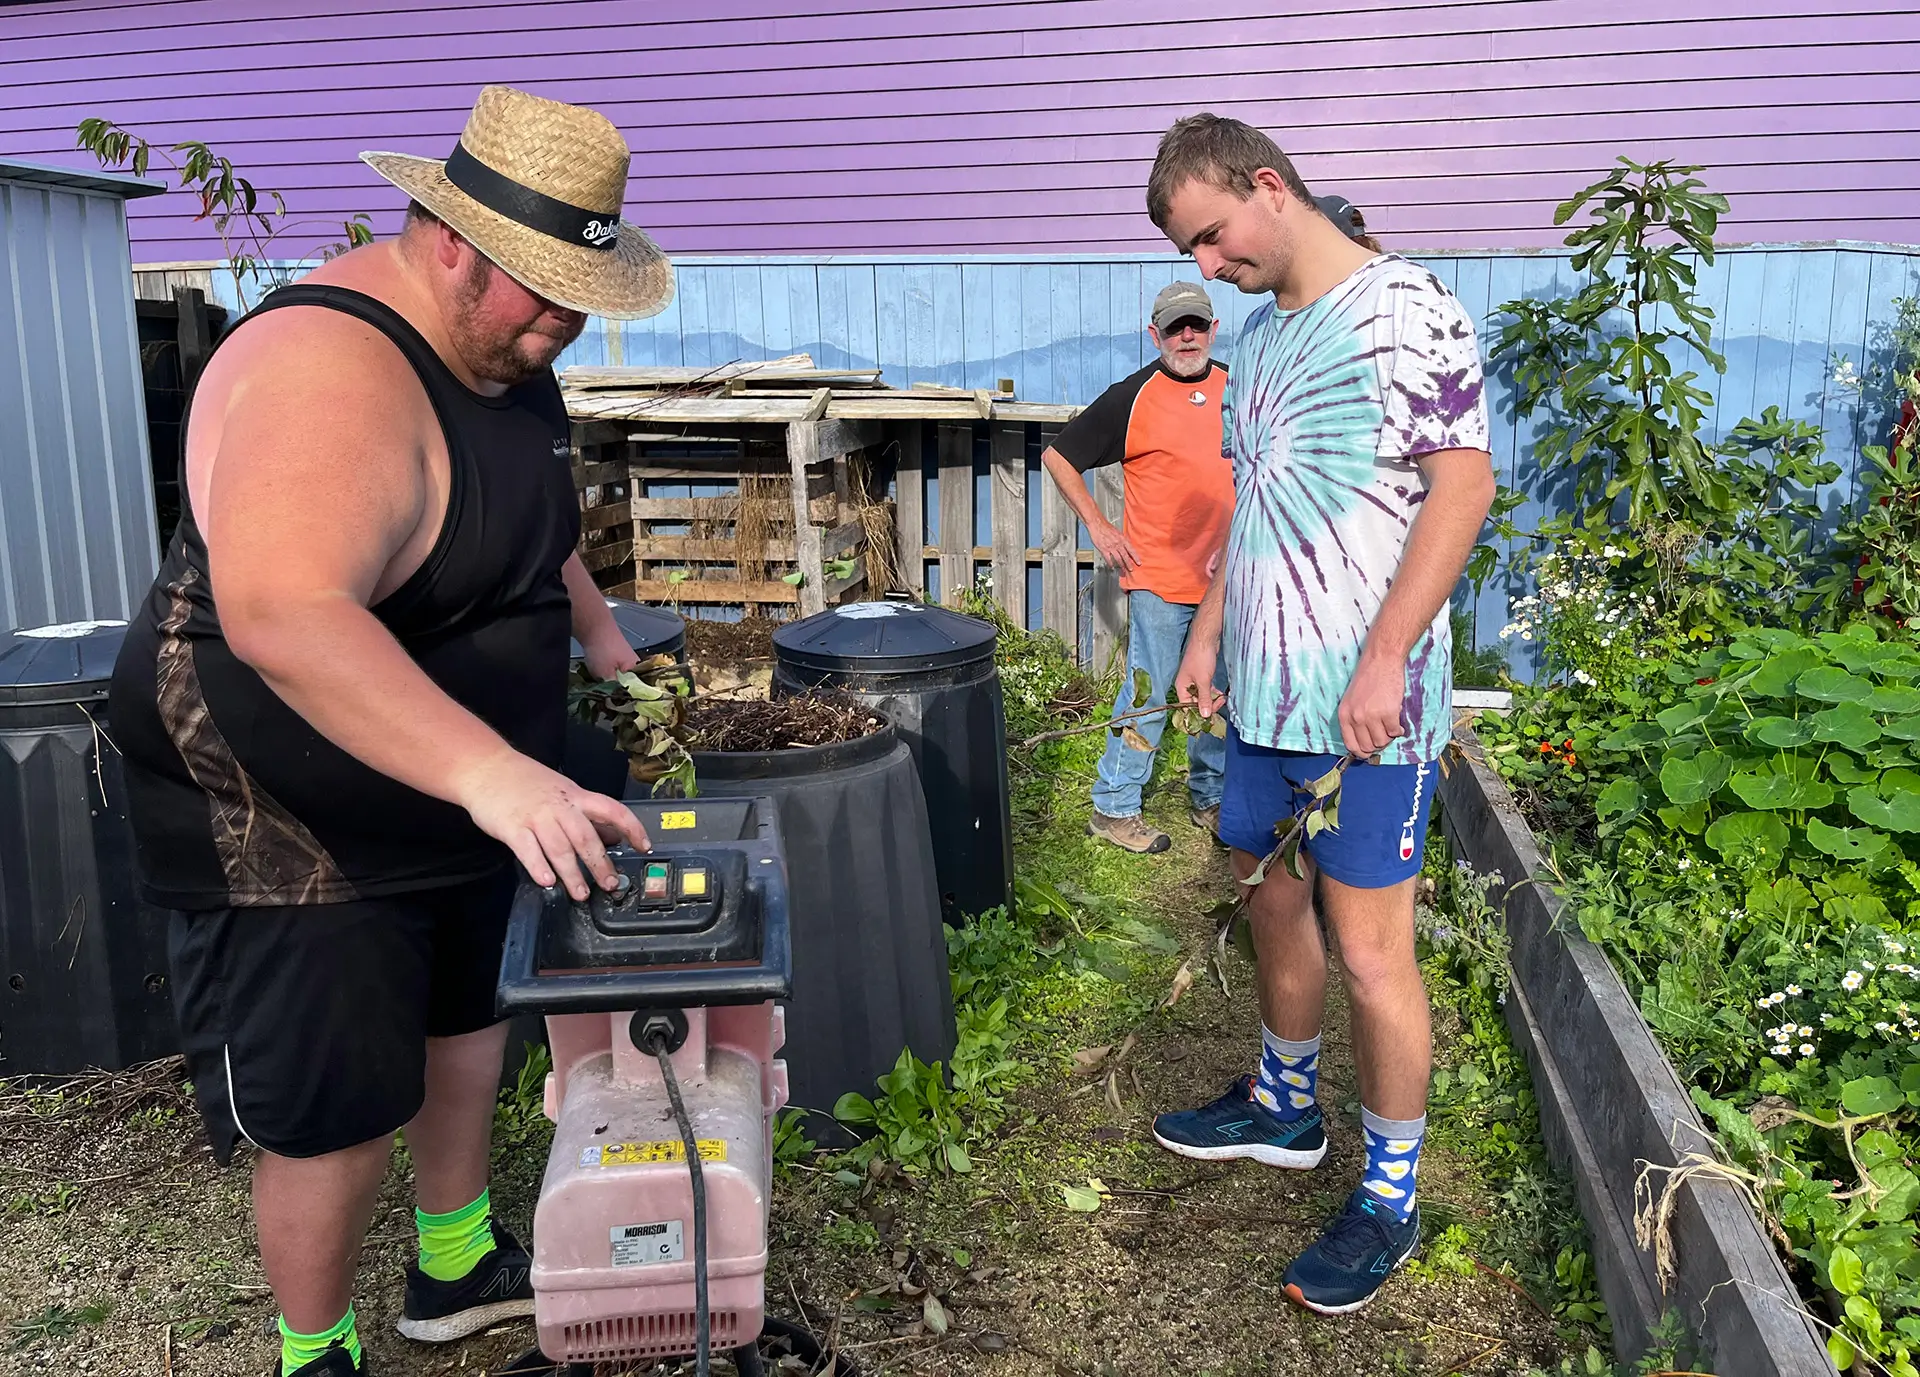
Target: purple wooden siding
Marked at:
873, 126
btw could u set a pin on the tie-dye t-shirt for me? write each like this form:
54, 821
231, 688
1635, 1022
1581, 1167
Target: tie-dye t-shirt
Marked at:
1328, 410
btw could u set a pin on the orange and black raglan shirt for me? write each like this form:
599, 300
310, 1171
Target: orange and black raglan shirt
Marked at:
1164, 431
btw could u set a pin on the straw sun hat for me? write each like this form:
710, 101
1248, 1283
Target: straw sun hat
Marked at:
537, 187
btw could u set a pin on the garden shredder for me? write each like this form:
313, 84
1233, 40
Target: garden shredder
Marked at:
650, 1236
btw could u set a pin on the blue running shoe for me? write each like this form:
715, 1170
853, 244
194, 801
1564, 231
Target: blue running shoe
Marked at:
1342, 1269
1237, 1125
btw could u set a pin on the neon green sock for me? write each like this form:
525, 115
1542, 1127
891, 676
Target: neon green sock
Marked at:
297, 1350
450, 1244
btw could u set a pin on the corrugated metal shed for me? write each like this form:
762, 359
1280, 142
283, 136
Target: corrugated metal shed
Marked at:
77, 539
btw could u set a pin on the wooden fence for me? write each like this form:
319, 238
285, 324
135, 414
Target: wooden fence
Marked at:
973, 501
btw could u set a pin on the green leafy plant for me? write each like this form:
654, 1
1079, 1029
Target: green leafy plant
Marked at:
790, 1141
646, 708
247, 219
1876, 572
915, 1120
520, 1114
1712, 531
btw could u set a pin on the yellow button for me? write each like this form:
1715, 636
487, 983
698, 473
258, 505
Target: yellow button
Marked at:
693, 884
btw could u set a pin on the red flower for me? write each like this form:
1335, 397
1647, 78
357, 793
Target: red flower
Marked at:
1707, 680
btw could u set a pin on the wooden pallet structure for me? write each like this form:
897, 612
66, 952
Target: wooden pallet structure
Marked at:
777, 473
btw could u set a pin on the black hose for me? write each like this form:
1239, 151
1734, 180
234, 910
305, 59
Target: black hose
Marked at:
702, 1340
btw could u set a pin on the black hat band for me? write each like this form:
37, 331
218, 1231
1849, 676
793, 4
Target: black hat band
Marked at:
535, 209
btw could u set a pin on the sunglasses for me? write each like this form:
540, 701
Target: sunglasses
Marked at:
1180, 327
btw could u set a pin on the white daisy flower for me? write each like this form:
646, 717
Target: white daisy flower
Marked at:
1806, 1049
1851, 980
1793, 989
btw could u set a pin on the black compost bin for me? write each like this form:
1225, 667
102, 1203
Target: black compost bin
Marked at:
869, 955
83, 960
592, 760
931, 672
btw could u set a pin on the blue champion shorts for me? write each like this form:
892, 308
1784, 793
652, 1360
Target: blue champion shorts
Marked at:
1382, 832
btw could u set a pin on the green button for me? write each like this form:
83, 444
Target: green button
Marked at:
656, 870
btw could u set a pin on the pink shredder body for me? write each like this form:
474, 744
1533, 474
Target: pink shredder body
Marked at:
613, 1232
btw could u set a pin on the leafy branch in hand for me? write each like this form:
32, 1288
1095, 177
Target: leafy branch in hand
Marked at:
646, 707
1317, 814
241, 216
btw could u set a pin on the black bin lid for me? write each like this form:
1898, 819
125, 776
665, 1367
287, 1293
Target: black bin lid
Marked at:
649, 630
884, 638
67, 663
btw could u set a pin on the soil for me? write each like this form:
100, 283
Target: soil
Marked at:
108, 1198
731, 645
779, 725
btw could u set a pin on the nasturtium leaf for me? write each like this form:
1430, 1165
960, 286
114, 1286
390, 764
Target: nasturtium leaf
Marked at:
1896, 812
1692, 779
1633, 736
1871, 1095
1863, 655
1848, 725
1683, 715
1689, 819
1776, 675
1900, 1192
1850, 771
1776, 789
1743, 833
1895, 699
1846, 843
1621, 796
1830, 685
1772, 638
1876, 1146
1780, 732
1903, 728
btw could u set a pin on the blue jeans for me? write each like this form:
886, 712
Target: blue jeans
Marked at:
1156, 638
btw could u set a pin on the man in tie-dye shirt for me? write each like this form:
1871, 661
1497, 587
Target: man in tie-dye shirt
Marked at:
1357, 428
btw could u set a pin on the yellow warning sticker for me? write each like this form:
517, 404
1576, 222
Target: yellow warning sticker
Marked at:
672, 822
641, 1154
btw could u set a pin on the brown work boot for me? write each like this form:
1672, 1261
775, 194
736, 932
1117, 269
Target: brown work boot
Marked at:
1129, 834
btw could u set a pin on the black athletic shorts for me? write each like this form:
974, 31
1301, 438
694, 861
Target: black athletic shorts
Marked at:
305, 1027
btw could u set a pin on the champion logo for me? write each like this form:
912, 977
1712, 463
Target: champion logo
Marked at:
1406, 833
1197, 397
598, 232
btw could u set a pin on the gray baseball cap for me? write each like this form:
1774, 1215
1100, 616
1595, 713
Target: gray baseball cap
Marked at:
1180, 300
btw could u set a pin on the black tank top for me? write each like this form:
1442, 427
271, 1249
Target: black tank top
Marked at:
235, 799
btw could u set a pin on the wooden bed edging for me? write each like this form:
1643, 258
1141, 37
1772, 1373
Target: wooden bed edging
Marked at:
1610, 1101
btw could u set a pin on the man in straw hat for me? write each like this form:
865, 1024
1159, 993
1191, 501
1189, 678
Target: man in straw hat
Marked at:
343, 703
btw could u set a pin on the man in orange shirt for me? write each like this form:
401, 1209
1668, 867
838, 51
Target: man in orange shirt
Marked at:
1162, 425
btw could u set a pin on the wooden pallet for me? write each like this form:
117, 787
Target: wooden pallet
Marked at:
798, 485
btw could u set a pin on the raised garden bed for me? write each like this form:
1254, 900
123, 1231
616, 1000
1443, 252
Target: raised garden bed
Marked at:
1611, 1104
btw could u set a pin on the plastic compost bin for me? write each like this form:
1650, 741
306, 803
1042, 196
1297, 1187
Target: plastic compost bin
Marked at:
869, 953
931, 672
83, 960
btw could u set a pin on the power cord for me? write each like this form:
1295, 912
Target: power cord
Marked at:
657, 1044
